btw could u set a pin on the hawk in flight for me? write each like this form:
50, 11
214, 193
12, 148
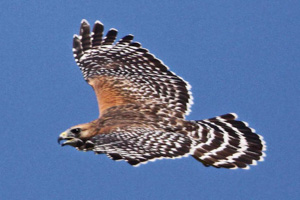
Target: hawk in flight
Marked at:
143, 105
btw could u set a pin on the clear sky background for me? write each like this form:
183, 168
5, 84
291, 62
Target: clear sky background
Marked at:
239, 56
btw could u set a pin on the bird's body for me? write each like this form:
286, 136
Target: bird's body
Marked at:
142, 109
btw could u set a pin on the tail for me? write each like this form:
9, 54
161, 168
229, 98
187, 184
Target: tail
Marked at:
228, 143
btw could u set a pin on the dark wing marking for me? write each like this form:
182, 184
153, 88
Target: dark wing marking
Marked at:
125, 72
229, 143
140, 145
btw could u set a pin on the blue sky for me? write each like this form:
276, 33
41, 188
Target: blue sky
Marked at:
241, 57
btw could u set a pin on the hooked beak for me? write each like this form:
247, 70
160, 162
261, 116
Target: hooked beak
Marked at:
62, 136
70, 140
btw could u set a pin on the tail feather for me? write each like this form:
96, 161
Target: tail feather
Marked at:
228, 143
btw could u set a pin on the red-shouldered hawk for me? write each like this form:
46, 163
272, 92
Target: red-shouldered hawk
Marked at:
142, 109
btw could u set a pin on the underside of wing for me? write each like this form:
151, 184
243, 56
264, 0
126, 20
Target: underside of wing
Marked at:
140, 145
125, 73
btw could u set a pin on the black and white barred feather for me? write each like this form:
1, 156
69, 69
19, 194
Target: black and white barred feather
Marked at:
222, 142
151, 82
140, 145
228, 143
152, 126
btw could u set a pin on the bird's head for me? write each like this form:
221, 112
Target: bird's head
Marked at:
77, 135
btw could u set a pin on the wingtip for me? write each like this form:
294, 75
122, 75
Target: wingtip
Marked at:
136, 44
84, 21
113, 29
76, 43
98, 22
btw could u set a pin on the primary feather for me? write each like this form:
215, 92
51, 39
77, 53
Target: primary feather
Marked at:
142, 106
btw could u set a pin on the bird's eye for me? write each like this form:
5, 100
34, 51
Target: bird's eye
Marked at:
76, 130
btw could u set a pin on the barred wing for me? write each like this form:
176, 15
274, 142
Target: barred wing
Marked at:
126, 73
140, 145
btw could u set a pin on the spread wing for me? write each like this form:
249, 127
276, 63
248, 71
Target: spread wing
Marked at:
126, 73
140, 145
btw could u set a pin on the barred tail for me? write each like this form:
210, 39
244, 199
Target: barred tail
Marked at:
228, 143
